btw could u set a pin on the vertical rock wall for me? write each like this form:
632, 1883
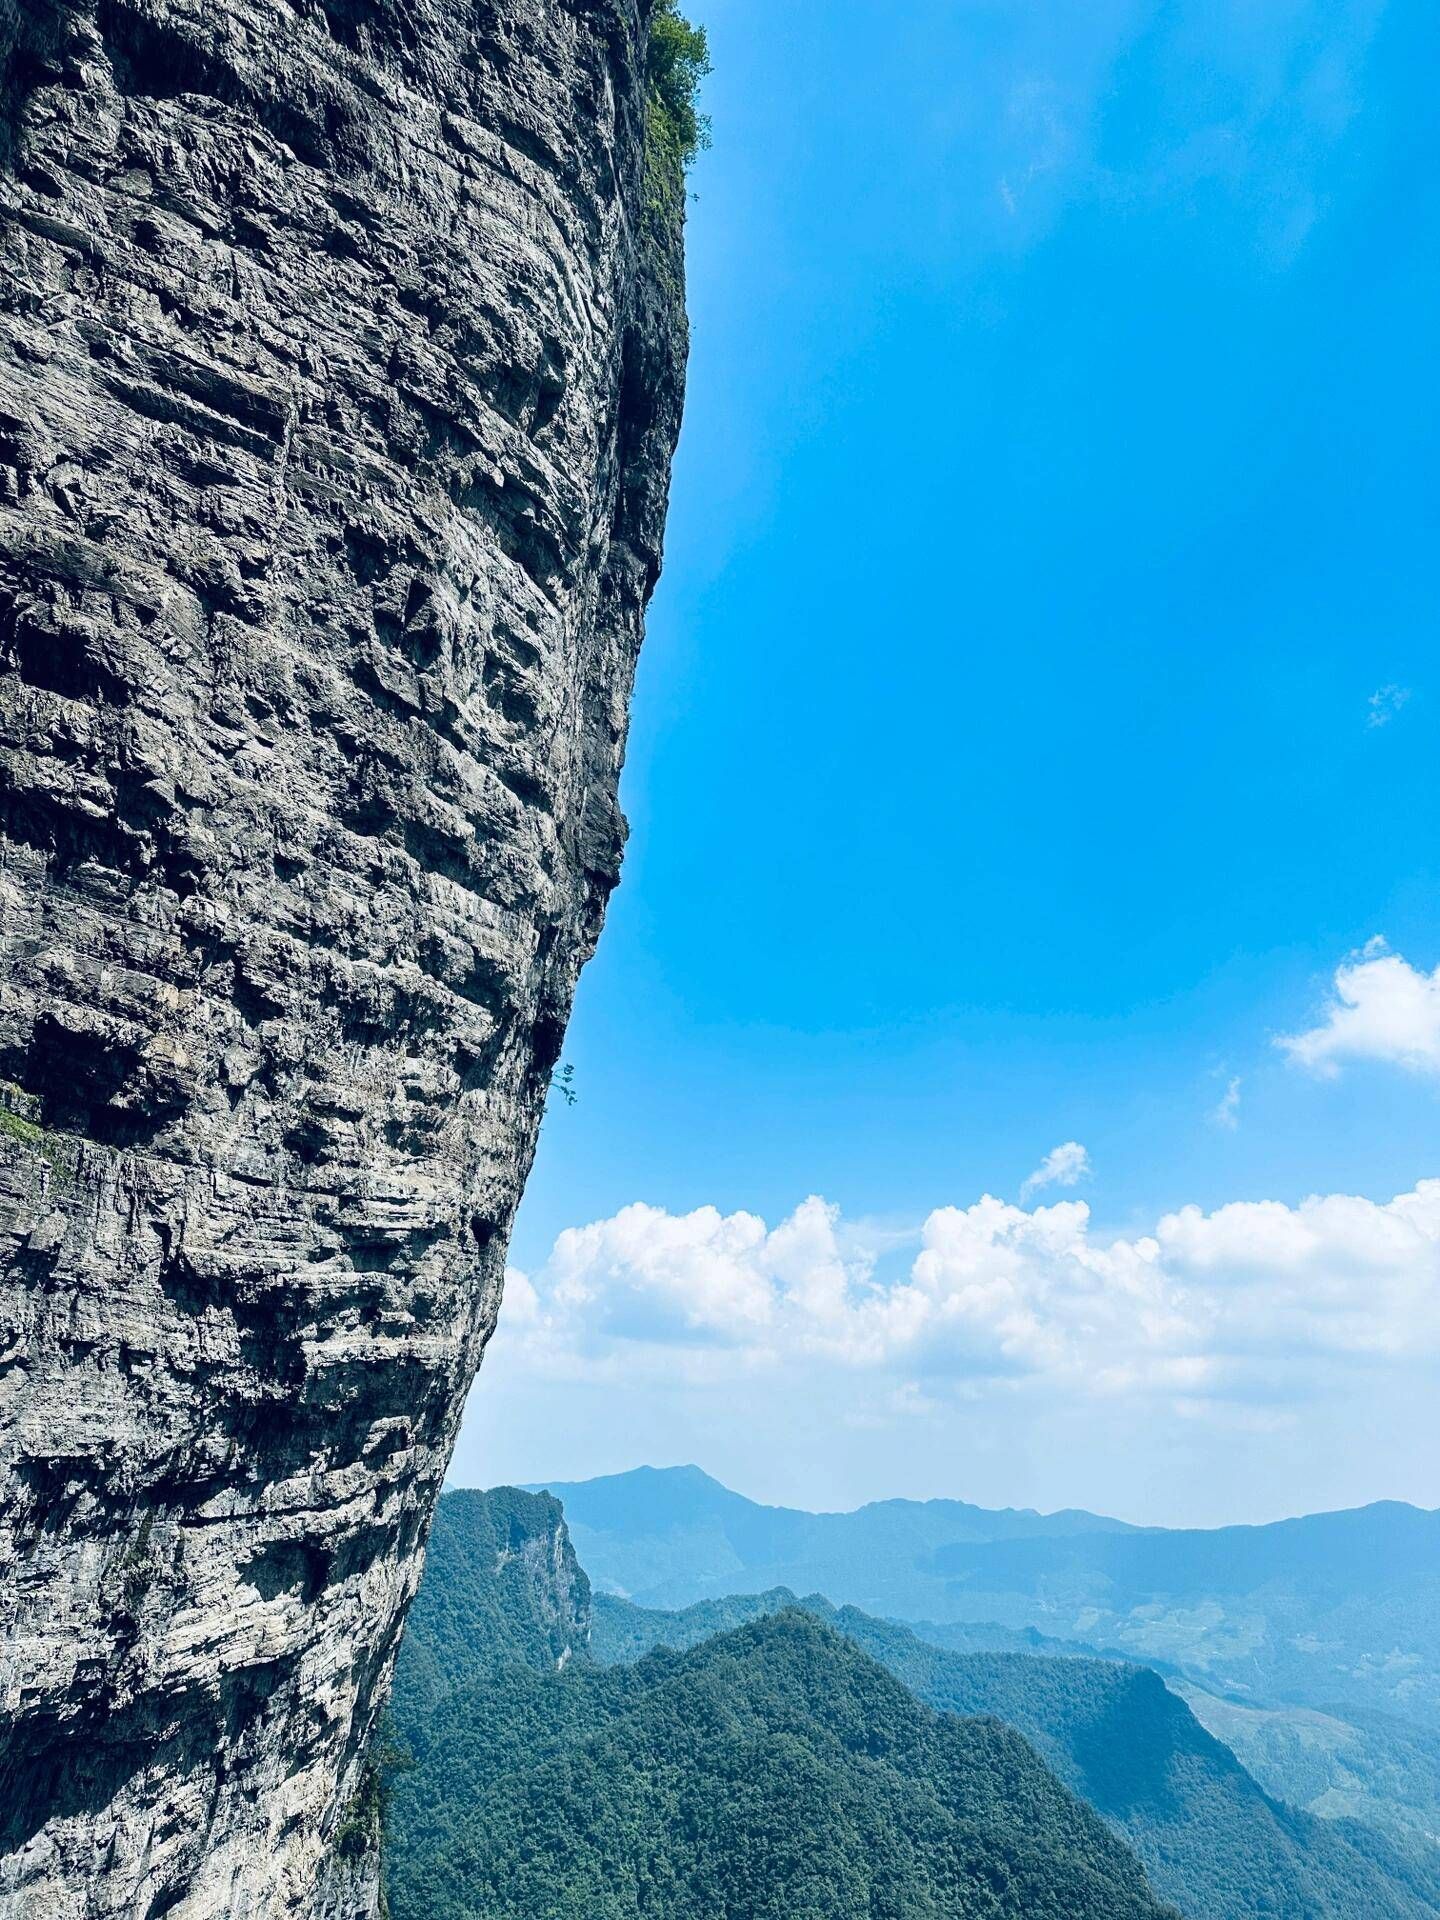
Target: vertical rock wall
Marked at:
340, 360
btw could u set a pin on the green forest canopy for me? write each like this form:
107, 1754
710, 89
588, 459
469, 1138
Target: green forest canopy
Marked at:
679, 61
773, 1773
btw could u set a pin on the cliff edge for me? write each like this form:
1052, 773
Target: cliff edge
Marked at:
341, 347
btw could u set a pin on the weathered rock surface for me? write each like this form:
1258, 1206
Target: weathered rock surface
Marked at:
340, 349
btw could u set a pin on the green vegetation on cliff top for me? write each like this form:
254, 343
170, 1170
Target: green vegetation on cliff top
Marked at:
679, 60
502, 1588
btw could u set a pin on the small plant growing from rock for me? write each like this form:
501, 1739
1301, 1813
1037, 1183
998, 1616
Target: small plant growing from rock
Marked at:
15, 1121
19, 1123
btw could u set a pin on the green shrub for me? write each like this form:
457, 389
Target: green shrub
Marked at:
679, 60
15, 1127
19, 1124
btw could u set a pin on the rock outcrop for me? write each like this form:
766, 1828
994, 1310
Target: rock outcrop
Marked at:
340, 363
503, 1587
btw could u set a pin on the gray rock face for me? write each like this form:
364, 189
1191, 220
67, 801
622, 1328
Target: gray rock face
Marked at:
340, 359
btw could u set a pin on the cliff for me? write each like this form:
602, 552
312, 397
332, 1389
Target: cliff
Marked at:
502, 1588
340, 363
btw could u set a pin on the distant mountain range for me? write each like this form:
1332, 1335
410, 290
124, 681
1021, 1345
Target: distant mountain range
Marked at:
1335, 1612
583, 1756
665, 1537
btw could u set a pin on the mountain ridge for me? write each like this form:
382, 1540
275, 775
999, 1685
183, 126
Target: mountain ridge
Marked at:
690, 1476
776, 1772
1211, 1839
1337, 1611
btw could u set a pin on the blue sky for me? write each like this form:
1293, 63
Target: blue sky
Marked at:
1038, 709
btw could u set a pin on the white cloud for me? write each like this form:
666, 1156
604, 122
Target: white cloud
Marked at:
1382, 1009
1226, 1111
1063, 1166
1385, 703
1252, 1304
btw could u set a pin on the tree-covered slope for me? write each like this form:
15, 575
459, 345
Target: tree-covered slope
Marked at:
1340, 1762
1345, 1763
636, 1817
502, 1586
773, 1773
1212, 1840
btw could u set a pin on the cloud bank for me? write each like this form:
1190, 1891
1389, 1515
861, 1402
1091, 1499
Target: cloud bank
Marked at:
1255, 1303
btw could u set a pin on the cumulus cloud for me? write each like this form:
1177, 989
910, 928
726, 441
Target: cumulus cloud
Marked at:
1063, 1166
1238, 1306
1382, 1009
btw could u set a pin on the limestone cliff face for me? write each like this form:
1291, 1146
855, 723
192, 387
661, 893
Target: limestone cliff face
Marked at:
340, 358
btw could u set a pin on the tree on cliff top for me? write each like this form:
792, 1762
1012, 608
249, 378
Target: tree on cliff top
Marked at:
679, 60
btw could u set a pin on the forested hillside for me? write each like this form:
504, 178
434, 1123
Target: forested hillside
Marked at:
502, 1588
583, 1755
1341, 1763
776, 1770
773, 1773
1212, 1841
